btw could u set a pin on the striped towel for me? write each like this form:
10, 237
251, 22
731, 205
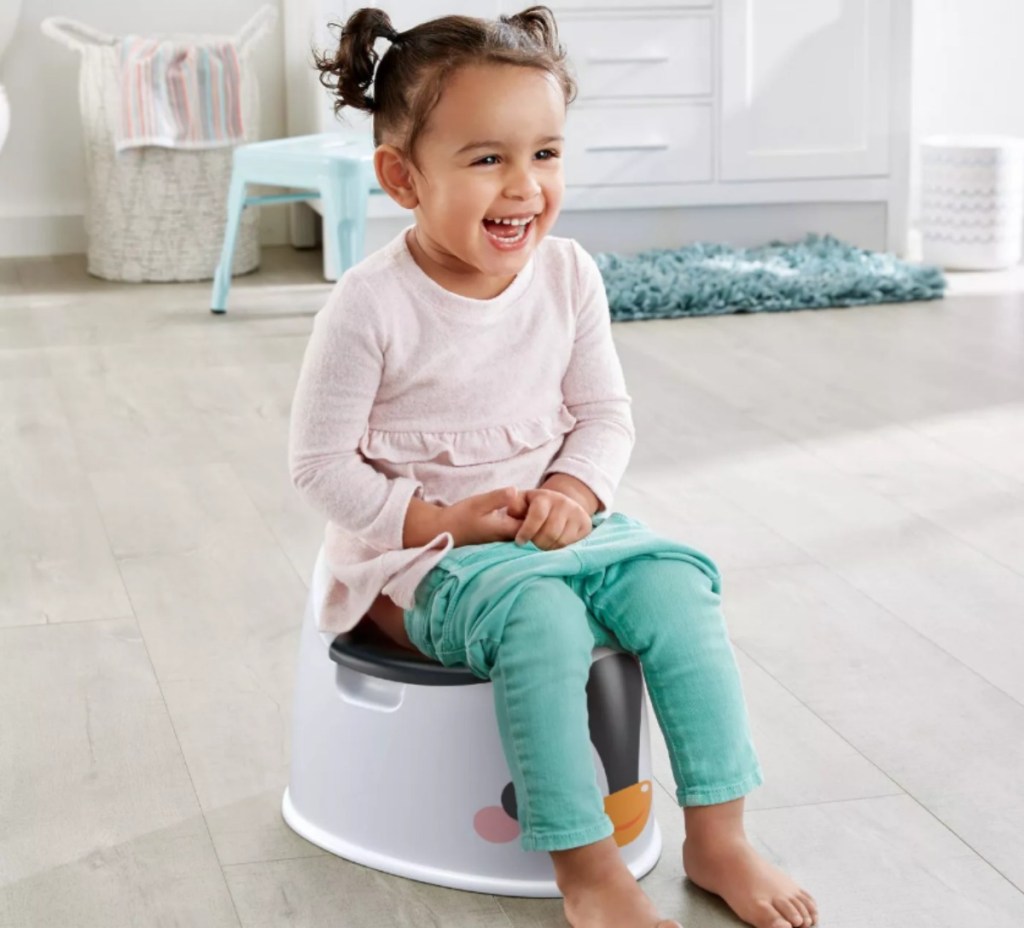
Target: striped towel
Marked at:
178, 95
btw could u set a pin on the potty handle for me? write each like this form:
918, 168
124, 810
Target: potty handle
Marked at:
367, 692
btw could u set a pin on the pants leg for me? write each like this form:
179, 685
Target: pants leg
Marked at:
667, 612
534, 643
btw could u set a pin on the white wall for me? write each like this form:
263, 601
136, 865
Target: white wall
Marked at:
968, 72
968, 75
42, 172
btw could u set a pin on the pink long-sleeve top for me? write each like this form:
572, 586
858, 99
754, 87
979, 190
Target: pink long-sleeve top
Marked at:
407, 389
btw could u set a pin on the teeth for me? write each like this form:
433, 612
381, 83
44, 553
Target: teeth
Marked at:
513, 222
516, 236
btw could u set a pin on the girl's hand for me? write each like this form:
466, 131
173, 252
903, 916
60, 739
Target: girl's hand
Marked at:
484, 518
550, 519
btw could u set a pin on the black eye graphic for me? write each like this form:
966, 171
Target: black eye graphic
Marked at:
508, 801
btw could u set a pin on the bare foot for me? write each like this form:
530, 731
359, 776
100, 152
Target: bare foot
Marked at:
759, 893
600, 892
615, 903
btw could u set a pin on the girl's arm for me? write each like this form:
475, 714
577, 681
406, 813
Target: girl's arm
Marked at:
338, 382
423, 523
595, 453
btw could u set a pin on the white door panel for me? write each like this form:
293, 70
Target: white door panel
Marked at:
804, 88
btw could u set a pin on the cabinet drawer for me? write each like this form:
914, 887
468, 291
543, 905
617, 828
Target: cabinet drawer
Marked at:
638, 143
642, 56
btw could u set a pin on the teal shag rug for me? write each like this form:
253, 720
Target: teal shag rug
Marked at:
711, 280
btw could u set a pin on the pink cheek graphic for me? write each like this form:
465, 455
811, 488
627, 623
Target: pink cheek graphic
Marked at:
494, 824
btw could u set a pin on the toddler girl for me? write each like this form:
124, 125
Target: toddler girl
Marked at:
462, 421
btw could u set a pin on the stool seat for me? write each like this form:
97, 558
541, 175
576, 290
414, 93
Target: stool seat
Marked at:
334, 167
296, 162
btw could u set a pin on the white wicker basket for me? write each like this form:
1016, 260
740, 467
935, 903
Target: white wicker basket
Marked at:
156, 214
972, 201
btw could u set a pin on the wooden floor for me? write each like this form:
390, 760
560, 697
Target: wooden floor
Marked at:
858, 475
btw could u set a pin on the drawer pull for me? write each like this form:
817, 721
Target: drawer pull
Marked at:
643, 59
639, 146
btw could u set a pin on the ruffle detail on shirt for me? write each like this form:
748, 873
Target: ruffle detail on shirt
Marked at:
459, 449
359, 573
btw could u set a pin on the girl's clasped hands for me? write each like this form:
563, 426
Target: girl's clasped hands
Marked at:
548, 518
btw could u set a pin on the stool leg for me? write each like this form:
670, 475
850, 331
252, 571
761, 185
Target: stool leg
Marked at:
351, 241
345, 194
222, 279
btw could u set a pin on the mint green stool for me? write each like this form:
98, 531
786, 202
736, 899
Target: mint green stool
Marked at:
336, 168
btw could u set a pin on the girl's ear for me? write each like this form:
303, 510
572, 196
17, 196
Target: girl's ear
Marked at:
394, 176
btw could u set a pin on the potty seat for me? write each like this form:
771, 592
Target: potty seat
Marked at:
397, 763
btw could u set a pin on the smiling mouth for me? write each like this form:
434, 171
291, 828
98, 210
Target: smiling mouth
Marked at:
506, 232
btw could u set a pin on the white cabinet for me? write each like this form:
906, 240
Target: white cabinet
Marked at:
686, 103
805, 88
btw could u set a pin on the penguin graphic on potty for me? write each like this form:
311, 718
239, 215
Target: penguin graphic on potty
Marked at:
614, 706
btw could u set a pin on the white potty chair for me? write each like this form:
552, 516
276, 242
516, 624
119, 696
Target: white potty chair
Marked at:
397, 763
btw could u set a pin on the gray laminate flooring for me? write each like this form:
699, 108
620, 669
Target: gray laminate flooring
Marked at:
858, 474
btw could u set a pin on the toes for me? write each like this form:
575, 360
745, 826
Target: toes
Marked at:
770, 918
803, 909
812, 906
789, 911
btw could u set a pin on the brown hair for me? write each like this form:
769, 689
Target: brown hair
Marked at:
411, 75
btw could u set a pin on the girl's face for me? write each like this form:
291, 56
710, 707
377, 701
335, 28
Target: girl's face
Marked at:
491, 152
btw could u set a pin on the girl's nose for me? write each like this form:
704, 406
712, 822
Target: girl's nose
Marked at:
521, 185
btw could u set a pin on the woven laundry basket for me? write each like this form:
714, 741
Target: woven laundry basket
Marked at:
157, 214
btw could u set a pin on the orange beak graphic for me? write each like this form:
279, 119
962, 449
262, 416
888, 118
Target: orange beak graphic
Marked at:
614, 708
629, 810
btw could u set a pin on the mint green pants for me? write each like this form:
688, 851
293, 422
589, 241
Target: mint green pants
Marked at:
528, 620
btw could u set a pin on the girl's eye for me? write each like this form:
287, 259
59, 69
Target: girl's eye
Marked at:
487, 160
546, 154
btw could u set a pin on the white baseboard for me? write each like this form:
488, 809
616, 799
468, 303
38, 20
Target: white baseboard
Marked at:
39, 236
629, 231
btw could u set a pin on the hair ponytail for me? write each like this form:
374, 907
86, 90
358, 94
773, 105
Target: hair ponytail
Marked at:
538, 23
349, 73
412, 73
